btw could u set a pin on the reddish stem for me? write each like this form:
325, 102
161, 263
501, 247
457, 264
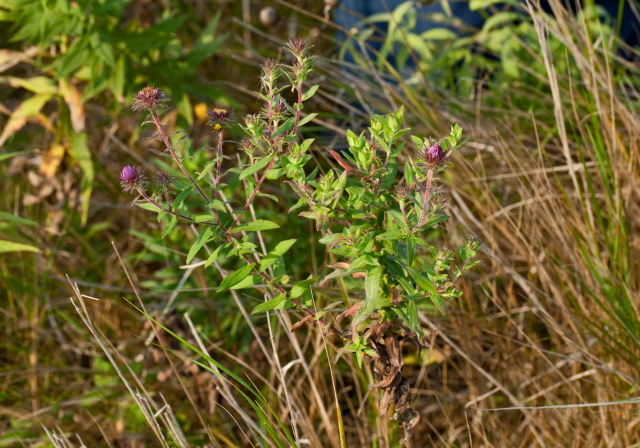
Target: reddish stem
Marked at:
425, 199
165, 138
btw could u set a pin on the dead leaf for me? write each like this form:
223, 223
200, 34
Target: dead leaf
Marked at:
300, 323
339, 265
341, 161
73, 97
52, 160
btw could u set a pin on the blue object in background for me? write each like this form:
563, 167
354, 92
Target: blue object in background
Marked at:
629, 25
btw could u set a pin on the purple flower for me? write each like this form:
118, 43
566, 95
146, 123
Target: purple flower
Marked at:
434, 154
149, 98
132, 178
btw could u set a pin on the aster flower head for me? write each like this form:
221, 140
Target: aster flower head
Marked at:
219, 117
149, 98
132, 178
434, 154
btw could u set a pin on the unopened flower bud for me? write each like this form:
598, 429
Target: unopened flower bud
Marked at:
472, 243
434, 154
298, 46
149, 98
246, 144
132, 178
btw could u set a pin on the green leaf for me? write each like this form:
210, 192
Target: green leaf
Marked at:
147, 206
257, 166
269, 304
391, 235
439, 303
169, 226
276, 253
31, 106
203, 218
36, 84
302, 287
389, 177
204, 236
409, 315
372, 295
218, 205
309, 93
435, 220
101, 45
235, 277
182, 196
8, 155
214, 256
307, 119
369, 260
284, 127
438, 34
256, 226
411, 249
330, 238
248, 282
398, 219
423, 281
10, 246
17, 220
206, 44
408, 173
206, 169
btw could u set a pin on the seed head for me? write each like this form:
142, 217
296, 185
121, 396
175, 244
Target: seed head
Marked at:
149, 98
132, 178
219, 117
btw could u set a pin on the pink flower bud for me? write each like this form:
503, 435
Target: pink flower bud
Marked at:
132, 178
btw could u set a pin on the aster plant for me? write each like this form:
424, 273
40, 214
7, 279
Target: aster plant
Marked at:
373, 213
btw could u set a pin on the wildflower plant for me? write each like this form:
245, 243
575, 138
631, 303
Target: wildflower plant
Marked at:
372, 215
